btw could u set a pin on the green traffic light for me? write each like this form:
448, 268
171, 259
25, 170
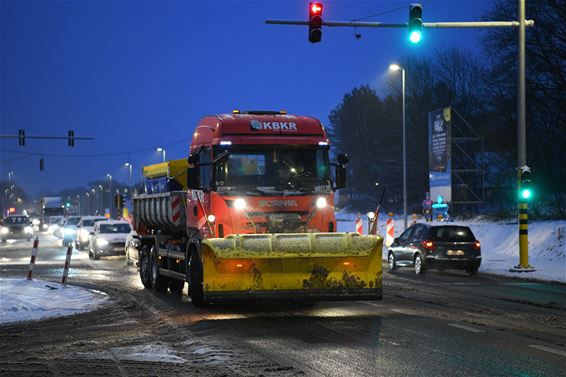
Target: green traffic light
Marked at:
415, 37
526, 193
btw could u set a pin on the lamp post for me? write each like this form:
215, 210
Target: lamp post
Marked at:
128, 165
162, 150
109, 192
87, 203
396, 67
10, 174
101, 199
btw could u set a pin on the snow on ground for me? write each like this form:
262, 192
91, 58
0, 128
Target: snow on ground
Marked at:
157, 353
500, 244
24, 300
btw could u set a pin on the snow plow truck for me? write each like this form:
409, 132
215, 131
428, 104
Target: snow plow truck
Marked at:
250, 215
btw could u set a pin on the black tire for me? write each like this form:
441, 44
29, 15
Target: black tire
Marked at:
472, 270
158, 282
419, 264
392, 261
95, 255
145, 266
196, 291
89, 253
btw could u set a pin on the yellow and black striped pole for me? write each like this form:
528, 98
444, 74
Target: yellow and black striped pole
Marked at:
524, 193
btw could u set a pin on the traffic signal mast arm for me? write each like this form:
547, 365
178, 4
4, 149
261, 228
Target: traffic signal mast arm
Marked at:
470, 24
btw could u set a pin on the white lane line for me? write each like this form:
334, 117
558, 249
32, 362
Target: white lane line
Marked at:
467, 328
373, 304
548, 349
403, 311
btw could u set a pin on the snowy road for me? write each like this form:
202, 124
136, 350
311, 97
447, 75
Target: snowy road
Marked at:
438, 324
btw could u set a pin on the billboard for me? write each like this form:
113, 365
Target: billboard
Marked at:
439, 154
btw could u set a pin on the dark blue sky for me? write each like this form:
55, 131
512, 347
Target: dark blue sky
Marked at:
138, 75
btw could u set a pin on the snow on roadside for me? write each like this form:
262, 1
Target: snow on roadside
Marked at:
25, 300
500, 244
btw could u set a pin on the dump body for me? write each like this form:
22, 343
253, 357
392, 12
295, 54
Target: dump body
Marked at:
255, 218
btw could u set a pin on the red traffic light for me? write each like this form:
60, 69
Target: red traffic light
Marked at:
316, 8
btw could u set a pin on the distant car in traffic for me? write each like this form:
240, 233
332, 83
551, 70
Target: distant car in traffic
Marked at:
58, 230
424, 246
69, 230
84, 228
54, 223
108, 238
16, 227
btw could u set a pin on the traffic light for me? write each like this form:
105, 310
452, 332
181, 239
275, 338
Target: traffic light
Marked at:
117, 200
71, 138
41, 164
122, 200
415, 22
21, 137
526, 191
315, 22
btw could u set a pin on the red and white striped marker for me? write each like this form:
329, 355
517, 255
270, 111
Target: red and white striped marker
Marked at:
33, 255
389, 231
67, 264
359, 225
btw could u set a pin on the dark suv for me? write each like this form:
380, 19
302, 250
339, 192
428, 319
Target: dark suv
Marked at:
424, 246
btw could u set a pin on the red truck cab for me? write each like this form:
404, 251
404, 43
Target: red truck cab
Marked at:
260, 172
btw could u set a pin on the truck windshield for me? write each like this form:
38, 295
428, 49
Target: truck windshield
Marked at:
273, 171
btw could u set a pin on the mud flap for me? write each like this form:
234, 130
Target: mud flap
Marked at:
328, 266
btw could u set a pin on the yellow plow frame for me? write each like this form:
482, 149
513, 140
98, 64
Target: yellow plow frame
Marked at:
327, 266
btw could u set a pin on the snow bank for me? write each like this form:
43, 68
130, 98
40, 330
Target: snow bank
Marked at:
24, 300
500, 244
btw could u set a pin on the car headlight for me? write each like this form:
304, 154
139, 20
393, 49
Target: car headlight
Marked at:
101, 242
240, 204
35, 221
45, 226
69, 231
83, 235
321, 202
4, 230
28, 229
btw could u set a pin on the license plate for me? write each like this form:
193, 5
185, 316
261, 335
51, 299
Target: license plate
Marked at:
116, 248
455, 252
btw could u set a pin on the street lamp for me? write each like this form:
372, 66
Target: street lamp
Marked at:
109, 192
396, 67
162, 150
127, 164
10, 174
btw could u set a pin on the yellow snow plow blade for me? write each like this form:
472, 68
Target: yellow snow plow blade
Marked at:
327, 266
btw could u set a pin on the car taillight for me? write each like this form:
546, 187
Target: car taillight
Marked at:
477, 245
428, 245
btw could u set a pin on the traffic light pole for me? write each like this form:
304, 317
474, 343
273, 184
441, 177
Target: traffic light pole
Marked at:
521, 24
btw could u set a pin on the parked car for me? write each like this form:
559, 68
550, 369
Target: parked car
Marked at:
132, 248
424, 246
69, 230
108, 238
16, 227
84, 228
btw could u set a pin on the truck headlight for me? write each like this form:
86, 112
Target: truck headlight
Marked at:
321, 202
28, 229
35, 221
45, 226
211, 219
240, 204
100, 242
4, 230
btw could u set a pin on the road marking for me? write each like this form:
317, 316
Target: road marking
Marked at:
373, 304
548, 349
403, 311
467, 328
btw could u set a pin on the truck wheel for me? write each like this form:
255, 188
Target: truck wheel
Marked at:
159, 283
195, 280
145, 270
